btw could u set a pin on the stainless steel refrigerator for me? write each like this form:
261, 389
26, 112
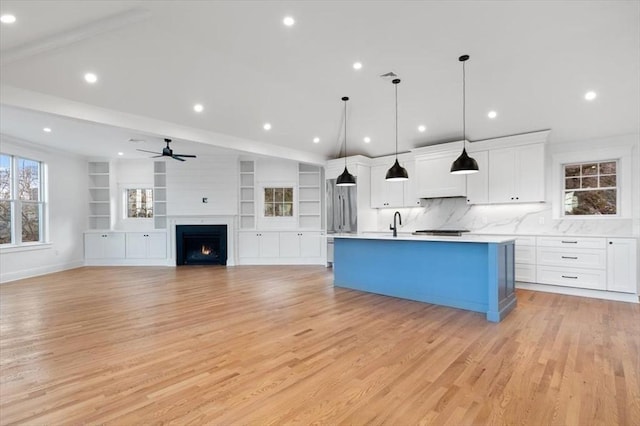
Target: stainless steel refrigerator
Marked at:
342, 208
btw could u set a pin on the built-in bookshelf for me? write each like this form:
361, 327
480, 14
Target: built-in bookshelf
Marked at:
247, 195
99, 195
160, 194
309, 196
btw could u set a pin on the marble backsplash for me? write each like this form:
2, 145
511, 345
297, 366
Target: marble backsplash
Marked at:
534, 218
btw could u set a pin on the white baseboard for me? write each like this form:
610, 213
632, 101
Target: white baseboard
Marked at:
583, 292
282, 261
43, 270
128, 262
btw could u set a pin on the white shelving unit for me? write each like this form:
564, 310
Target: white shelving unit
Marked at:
99, 195
160, 194
247, 195
309, 197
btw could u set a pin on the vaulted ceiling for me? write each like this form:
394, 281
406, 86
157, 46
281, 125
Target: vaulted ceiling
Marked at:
532, 62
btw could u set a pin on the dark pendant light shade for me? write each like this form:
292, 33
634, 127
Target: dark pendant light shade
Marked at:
464, 164
396, 173
346, 178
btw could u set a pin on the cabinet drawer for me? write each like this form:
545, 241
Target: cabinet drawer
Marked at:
526, 273
572, 277
526, 241
574, 242
525, 254
580, 258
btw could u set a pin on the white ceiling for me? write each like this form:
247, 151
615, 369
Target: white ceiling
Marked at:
531, 61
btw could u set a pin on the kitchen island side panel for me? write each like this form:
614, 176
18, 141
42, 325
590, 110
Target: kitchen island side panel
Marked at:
456, 274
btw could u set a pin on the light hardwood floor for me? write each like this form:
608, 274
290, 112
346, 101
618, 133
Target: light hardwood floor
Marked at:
278, 345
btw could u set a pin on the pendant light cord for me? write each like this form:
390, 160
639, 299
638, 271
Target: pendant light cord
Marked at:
464, 106
396, 85
345, 134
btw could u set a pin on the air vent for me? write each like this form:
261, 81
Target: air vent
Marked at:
390, 76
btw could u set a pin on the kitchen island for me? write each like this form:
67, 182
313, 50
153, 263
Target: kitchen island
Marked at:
470, 272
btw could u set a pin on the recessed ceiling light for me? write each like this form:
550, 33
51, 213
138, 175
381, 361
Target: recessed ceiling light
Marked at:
492, 114
90, 77
7, 18
47, 130
121, 153
316, 140
198, 108
288, 21
590, 96
267, 126
367, 139
422, 128
357, 65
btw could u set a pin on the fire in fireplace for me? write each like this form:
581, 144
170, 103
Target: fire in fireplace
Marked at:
201, 244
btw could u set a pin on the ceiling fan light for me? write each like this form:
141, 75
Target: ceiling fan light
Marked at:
397, 173
464, 164
346, 179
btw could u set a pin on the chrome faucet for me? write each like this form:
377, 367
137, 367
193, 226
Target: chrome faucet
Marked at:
394, 228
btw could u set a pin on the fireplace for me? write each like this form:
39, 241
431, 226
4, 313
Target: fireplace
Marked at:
201, 244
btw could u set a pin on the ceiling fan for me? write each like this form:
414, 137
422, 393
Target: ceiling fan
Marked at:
168, 152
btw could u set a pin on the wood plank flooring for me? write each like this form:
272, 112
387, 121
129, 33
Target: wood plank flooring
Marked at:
280, 345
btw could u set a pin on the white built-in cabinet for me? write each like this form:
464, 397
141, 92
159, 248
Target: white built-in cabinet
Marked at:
146, 245
478, 183
281, 247
301, 244
100, 183
309, 196
160, 194
247, 195
254, 245
516, 175
104, 245
622, 271
433, 171
385, 194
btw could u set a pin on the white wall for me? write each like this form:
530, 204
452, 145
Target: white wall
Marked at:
535, 218
68, 210
272, 172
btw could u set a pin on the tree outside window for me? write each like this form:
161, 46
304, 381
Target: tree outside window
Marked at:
278, 202
139, 202
591, 189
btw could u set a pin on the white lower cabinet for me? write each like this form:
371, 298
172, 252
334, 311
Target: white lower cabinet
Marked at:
594, 279
622, 269
283, 247
104, 245
525, 259
146, 245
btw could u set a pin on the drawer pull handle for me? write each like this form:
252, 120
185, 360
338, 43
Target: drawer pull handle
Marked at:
569, 257
569, 276
569, 242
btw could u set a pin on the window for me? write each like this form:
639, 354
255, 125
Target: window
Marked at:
591, 189
21, 200
139, 202
278, 202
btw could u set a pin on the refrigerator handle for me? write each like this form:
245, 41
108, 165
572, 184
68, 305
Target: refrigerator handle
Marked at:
343, 211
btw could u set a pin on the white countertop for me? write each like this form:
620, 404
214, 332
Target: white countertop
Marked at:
408, 237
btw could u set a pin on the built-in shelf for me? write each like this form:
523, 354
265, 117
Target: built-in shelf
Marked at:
309, 197
160, 194
99, 195
247, 195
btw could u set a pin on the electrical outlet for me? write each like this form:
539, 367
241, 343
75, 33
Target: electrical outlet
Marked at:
205, 200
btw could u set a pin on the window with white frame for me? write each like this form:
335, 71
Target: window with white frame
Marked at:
139, 203
278, 202
21, 200
591, 189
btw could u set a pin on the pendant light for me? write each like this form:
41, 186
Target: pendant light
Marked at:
346, 178
396, 173
464, 164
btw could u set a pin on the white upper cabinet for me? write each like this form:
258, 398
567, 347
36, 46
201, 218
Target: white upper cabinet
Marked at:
478, 183
433, 171
385, 193
411, 198
516, 175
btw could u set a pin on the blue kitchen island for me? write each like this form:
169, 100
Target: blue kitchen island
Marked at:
475, 273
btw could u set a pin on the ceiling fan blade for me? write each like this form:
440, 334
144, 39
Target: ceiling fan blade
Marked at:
177, 158
152, 152
185, 155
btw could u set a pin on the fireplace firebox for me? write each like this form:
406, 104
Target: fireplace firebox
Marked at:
201, 244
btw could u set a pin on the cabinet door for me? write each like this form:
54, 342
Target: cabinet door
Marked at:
411, 198
248, 244
621, 265
136, 245
311, 244
478, 183
385, 193
94, 246
530, 173
501, 175
156, 245
434, 178
289, 244
114, 247
269, 244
